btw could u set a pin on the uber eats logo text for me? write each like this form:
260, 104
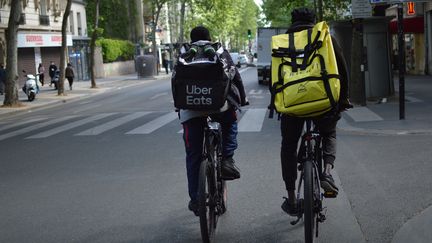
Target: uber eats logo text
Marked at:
198, 96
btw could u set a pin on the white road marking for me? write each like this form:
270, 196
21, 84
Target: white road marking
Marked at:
252, 120
244, 70
20, 123
70, 126
112, 124
34, 127
158, 95
255, 92
155, 124
363, 114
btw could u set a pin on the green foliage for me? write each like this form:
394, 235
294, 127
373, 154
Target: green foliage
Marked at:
116, 50
227, 21
278, 12
114, 18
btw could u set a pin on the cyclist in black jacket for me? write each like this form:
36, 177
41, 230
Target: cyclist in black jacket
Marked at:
194, 122
291, 127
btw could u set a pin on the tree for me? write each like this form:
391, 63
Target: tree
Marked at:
156, 7
93, 45
11, 92
63, 53
277, 12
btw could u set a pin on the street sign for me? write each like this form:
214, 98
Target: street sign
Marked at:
411, 8
361, 9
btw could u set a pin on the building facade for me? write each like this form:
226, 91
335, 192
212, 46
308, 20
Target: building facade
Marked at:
418, 34
39, 33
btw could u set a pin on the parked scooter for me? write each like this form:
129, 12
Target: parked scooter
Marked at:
31, 87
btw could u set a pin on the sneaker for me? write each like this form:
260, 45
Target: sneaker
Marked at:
193, 206
328, 184
291, 209
229, 170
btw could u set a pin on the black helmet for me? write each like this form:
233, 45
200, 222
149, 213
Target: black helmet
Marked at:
303, 15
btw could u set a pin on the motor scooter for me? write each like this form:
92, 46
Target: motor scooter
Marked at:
31, 87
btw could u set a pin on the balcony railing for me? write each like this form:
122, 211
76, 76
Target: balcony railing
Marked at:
44, 20
22, 20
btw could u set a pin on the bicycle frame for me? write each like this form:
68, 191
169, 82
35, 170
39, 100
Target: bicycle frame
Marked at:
213, 199
310, 151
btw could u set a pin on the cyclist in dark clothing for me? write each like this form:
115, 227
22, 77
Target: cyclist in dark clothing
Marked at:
194, 122
291, 127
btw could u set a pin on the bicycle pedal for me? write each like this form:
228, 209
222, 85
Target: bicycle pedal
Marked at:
330, 194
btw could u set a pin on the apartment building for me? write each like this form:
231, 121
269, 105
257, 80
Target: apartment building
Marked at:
39, 33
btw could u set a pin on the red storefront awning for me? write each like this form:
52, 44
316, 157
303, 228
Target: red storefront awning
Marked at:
411, 25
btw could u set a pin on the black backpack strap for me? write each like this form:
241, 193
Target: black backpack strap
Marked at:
307, 50
292, 52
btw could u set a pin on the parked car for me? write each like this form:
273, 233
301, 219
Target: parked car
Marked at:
242, 60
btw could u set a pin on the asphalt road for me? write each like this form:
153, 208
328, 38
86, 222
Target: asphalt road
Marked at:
111, 168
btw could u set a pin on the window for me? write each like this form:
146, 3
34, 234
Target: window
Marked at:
79, 23
71, 23
43, 17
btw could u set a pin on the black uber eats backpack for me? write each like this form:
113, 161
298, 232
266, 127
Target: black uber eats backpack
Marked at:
199, 80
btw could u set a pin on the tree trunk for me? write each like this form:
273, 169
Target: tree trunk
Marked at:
320, 10
93, 47
182, 21
11, 91
63, 53
154, 44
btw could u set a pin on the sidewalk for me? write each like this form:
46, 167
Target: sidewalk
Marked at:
47, 96
383, 118
380, 117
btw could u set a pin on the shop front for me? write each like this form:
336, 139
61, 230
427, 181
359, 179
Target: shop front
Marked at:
36, 48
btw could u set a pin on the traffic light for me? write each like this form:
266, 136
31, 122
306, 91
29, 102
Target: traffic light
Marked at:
249, 34
410, 8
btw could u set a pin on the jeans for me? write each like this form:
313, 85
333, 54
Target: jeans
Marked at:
291, 130
193, 135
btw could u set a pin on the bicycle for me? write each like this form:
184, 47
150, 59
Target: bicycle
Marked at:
311, 169
212, 192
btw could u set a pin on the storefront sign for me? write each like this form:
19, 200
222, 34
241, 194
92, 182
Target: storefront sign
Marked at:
42, 40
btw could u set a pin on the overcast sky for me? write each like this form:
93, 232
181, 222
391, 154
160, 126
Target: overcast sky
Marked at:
258, 2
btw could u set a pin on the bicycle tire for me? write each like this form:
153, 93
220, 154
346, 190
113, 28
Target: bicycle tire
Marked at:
207, 210
309, 204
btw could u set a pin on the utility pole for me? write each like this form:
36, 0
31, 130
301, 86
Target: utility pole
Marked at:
401, 47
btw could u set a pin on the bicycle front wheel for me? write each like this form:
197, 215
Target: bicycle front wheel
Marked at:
309, 202
206, 196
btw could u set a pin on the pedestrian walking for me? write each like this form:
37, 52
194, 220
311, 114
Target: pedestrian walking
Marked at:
2, 79
41, 71
52, 69
69, 75
165, 60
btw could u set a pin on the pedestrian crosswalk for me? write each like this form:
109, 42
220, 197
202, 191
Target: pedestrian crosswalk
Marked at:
135, 123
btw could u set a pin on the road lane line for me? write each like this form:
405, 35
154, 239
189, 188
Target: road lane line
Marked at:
20, 123
112, 124
363, 114
244, 70
155, 124
252, 120
34, 127
158, 95
70, 126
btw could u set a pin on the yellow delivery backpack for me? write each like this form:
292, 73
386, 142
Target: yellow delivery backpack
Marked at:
305, 78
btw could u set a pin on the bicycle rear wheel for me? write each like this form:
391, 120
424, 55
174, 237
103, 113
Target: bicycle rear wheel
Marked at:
206, 196
310, 214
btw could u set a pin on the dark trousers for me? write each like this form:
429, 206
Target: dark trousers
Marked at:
193, 135
291, 130
70, 80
